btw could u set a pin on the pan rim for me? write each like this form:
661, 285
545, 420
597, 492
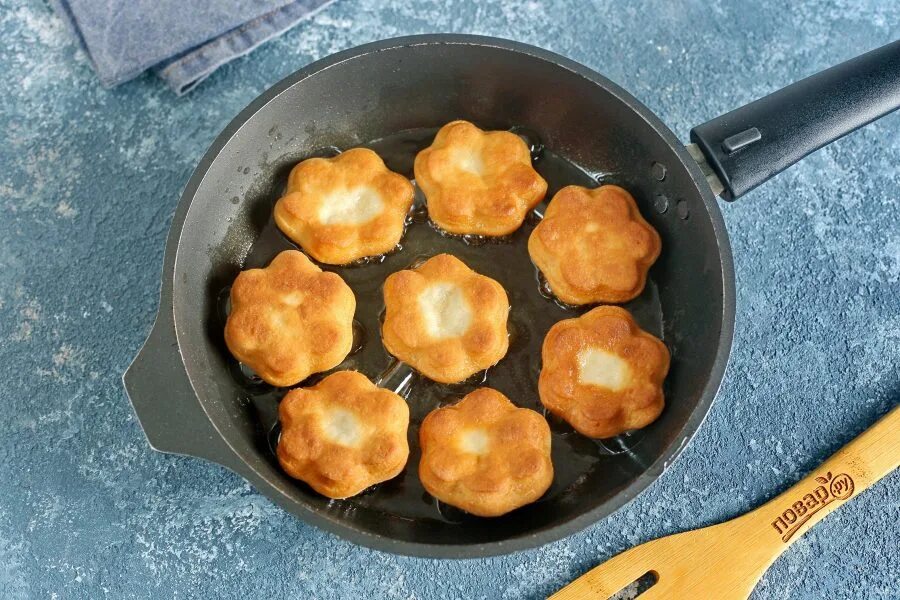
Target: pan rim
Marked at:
346, 530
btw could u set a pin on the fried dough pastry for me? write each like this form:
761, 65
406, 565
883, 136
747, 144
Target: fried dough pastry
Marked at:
343, 434
444, 319
344, 208
485, 455
593, 245
290, 319
602, 373
478, 182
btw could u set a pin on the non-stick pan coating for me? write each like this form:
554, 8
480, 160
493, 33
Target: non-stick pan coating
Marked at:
374, 92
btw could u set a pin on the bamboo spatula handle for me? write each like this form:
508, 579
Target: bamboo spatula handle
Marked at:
852, 469
726, 561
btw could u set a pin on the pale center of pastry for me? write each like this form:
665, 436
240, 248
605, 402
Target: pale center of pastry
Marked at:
474, 441
352, 206
293, 298
603, 369
342, 427
444, 310
469, 161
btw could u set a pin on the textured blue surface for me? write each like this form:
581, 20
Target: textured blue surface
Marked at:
90, 178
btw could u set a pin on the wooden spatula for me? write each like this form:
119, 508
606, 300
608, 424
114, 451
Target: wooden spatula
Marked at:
725, 561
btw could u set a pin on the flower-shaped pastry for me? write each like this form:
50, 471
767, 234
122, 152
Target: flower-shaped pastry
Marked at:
602, 373
344, 208
343, 434
478, 182
594, 245
290, 320
484, 455
444, 319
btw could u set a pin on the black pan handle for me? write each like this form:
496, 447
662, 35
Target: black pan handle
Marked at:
753, 143
165, 403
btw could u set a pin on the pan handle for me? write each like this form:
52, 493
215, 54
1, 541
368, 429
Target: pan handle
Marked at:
165, 403
755, 142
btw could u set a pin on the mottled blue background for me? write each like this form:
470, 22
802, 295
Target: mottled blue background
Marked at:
89, 179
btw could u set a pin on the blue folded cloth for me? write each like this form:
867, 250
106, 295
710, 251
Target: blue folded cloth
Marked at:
182, 41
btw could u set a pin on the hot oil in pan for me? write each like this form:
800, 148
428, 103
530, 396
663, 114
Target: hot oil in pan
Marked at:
533, 312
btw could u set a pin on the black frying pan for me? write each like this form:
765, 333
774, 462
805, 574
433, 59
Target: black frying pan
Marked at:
192, 398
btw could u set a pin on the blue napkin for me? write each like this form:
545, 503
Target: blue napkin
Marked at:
182, 41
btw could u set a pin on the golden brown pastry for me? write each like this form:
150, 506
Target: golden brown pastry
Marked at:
444, 319
290, 319
484, 455
343, 434
594, 245
344, 208
602, 373
478, 182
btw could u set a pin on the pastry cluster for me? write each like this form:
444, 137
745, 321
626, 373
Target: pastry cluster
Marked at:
602, 373
343, 434
344, 208
478, 182
444, 319
594, 245
485, 455
290, 319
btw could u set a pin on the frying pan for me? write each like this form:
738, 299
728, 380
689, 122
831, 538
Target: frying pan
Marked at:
191, 397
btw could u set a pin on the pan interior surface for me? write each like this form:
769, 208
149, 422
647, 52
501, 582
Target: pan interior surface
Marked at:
392, 100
